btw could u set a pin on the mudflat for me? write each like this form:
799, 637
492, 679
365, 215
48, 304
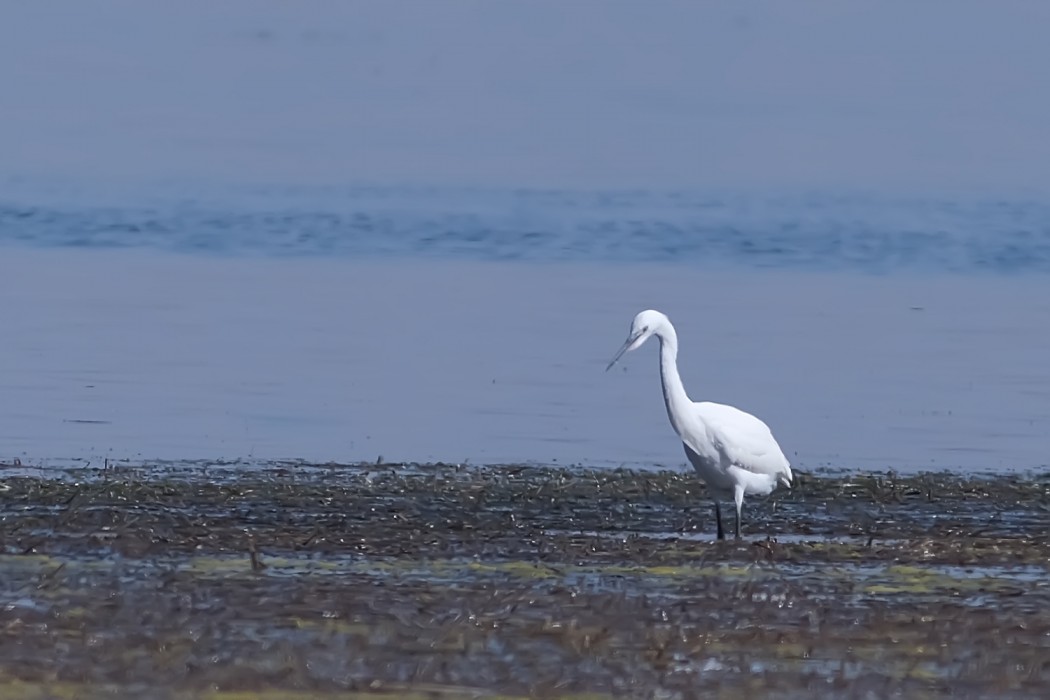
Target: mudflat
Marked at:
448, 581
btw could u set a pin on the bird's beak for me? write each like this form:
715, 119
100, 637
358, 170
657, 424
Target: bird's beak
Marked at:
628, 345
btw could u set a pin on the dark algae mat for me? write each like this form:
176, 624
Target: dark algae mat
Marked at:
441, 581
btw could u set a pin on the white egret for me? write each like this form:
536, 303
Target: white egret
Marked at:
733, 452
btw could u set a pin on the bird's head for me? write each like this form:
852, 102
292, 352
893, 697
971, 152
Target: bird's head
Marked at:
643, 326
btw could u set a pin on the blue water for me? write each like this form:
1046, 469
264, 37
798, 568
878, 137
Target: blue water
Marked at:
812, 232
446, 324
258, 229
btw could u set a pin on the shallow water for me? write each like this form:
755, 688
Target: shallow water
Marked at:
125, 355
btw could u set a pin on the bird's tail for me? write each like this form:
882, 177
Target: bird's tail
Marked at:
785, 477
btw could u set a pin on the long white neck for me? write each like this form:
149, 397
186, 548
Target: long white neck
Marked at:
675, 398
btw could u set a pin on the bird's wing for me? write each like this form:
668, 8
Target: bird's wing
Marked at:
744, 439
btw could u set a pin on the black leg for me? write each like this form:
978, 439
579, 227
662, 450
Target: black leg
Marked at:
739, 514
718, 520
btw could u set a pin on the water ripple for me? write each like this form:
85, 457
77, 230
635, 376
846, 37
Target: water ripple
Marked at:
813, 232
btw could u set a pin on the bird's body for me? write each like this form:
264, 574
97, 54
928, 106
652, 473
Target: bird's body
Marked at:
732, 451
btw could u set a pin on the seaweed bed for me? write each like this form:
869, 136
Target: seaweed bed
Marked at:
443, 581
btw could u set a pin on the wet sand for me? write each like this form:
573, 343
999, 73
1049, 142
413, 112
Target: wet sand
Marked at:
209, 580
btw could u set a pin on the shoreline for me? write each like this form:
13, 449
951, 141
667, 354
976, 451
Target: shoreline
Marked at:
451, 582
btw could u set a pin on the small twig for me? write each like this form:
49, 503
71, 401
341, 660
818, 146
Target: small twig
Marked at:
257, 562
311, 538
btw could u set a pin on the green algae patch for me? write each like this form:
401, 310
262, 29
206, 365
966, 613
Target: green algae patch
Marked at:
513, 568
918, 580
33, 562
680, 571
332, 626
19, 690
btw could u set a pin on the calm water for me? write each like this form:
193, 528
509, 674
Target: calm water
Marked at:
853, 241
146, 355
